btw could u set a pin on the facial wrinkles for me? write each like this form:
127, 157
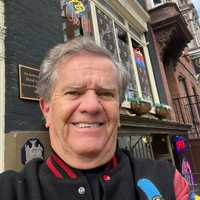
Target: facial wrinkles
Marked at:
92, 80
89, 79
89, 73
88, 85
103, 114
99, 112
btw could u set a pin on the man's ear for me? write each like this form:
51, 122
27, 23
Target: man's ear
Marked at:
45, 108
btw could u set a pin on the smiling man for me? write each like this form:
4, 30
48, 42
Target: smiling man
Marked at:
83, 112
81, 90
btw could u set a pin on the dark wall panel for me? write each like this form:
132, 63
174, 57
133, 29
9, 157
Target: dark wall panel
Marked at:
33, 26
155, 66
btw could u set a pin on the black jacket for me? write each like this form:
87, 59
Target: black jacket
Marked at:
130, 180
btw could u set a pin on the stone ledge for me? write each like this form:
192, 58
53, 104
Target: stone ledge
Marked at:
134, 125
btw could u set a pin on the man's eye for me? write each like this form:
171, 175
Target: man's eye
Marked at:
72, 93
106, 94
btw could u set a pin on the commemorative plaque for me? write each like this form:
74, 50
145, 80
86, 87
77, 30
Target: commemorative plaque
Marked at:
28, 78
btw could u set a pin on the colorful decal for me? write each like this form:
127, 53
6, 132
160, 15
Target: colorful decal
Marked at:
150, 190
74, 10
142, 73
197, 197
181, 144
75, 6
139, 58
187, 172
194, 196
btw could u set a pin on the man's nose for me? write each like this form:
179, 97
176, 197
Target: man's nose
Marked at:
90, 103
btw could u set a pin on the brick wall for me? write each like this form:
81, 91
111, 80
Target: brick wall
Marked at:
33, 26
185, 70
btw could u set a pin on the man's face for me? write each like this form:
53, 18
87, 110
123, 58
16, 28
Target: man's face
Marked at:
83, 113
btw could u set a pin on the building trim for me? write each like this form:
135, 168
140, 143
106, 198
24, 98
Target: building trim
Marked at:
131, 11
150, 74
134, 125
2, 86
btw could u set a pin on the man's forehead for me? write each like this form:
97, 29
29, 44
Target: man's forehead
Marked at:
78, 84
88, 71
81, 57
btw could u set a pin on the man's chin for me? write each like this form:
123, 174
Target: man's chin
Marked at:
90, 151
95, 152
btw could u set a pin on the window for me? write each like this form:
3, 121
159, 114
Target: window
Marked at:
106, 32
142, 71
77, 18
115, 33
125, 57
157, 1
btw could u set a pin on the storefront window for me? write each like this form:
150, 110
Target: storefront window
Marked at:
106, 33
142, 71
114, 33
125, 56
77, 18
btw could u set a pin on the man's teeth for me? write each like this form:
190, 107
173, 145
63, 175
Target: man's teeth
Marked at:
87, 125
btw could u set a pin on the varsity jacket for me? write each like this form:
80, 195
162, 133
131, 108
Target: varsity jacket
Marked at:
123, 178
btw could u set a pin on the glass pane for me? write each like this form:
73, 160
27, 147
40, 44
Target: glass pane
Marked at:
142, 71
106, 33
157, 1
124, 52
77, 18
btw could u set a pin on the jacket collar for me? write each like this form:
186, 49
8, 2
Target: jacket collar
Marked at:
62, 170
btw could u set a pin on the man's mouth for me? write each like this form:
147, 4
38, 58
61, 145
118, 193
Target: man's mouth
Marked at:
87, 125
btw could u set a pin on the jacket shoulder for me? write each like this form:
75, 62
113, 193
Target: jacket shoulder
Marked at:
154, 166
144, 165
12, 182
8, 183
153, 175
8, 176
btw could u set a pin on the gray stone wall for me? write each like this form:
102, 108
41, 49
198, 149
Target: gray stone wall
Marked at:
33, 26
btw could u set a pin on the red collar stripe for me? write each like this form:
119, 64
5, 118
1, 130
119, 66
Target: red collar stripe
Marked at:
114, 161
55, 172
67, 169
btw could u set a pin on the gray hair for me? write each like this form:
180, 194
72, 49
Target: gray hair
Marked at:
47, 75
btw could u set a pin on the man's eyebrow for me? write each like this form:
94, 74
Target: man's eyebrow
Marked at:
74, 87
98, 87
107, 89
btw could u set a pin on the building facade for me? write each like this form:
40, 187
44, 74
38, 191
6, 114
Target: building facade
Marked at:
176, 29
32, 27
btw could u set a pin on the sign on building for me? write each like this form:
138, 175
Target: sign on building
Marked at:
28, 78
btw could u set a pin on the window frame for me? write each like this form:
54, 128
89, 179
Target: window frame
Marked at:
135, 35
